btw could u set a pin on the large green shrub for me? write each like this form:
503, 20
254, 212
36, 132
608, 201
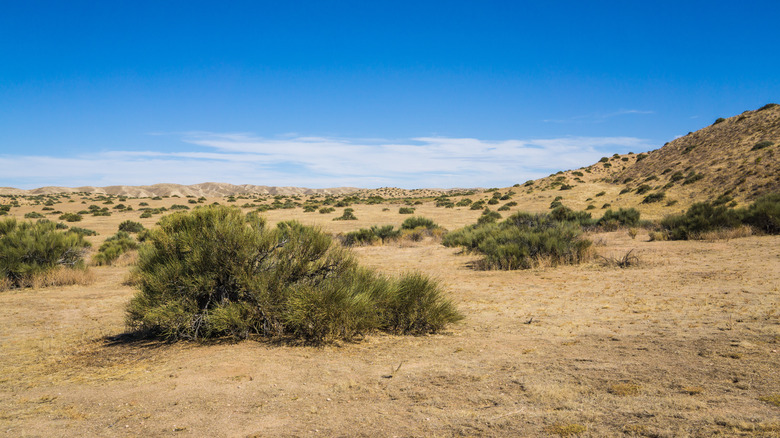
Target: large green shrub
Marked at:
523, 240
764, 214
28, 249
701, 217
214, 272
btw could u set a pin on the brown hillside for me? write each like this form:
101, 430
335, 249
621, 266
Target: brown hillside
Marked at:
734, 156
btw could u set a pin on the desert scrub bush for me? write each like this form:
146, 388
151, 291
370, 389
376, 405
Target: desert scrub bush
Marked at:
418, 222
326, 210
654, 197
463, 202
478, 205
113, 247
700, 218
623, 217
83, 231
370, 236
761, 145
522, 241
213, 272
30, 250
764, 214
692, 178
488, 216
566, 214
70, 217
33, 215
406, 210
129, 226
347, 215
644, 188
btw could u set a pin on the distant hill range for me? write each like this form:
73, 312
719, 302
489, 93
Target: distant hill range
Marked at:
209, 189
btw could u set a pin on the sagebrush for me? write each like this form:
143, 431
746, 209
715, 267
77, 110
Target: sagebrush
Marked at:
214, 272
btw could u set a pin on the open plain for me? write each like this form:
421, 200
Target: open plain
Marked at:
683, 343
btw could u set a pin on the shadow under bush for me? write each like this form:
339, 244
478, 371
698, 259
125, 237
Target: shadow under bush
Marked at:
214, 272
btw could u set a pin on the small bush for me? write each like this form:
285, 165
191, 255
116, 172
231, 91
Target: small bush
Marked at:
231, 276
113, 247
369, 236
479, 205
625, 261
347, 215
644, 188
488, 216
326, 210
131, 227
29, 250
406, 210
628, 217
654, 197
761, 145
692, 178
719, 120
83, 231
418, 222
33, 215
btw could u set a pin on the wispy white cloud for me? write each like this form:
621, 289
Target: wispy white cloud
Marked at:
598, 117
242, 158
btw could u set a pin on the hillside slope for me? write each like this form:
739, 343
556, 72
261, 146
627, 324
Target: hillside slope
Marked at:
734, 160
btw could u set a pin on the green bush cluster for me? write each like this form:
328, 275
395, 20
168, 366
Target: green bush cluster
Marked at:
28, 249
213, 272
627, 217
406, 210
113, 247
70, 217
763, 215
370, 236
347, 215
523, 239
129, 226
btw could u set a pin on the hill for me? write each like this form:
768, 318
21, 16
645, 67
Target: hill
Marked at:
209, 189
732, 160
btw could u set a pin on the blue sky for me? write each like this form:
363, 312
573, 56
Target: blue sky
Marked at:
367, 94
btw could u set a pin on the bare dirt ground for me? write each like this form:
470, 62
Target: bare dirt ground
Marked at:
683, 344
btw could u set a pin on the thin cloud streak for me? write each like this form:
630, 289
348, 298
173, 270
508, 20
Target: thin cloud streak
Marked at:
598, 118
242, 158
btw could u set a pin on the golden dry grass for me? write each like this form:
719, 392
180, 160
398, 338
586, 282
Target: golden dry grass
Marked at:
682, 344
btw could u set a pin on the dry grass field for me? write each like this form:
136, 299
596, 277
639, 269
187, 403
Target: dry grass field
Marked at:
684, 343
